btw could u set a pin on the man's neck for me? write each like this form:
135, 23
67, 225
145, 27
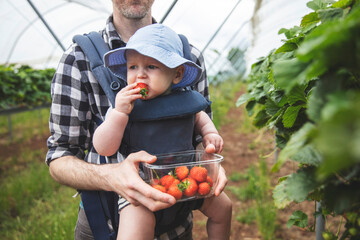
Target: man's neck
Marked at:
127, 27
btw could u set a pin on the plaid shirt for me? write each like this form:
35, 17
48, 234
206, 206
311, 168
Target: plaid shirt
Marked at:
77, 99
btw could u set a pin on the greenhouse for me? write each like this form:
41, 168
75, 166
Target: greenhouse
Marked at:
283, 79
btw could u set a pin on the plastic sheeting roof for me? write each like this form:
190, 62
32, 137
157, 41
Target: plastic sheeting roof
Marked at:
26, 40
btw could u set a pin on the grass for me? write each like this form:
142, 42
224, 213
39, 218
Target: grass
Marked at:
24, 125
254, 187
222, 98
32, 204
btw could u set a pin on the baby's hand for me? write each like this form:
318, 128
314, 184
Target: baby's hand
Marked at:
215, 140
125, 98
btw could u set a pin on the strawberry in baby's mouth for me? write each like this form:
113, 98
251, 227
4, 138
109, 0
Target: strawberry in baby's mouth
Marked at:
144, 89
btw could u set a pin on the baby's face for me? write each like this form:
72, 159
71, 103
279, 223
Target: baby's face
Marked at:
153, 73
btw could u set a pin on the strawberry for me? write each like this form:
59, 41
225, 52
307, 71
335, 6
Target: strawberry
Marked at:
159, 187
198, 173
209, 181
155, 181
190, 186
144, 89
182, 172
204, 188
167, 180
175, 191
176, 181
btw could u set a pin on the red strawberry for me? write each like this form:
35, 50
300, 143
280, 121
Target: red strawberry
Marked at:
190, 186
209, 181
176, 182
204, 188
159, 187
155, 181
198, 173
175, 191
167, 180
144, 90
182, 172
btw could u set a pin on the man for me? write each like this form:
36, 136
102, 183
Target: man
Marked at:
77, 99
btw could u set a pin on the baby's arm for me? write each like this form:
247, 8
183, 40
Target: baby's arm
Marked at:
108, 136
206, 128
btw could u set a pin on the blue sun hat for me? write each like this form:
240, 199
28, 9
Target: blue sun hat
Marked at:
159, 42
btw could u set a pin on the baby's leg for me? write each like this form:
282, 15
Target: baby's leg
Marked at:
219, 212
136, 223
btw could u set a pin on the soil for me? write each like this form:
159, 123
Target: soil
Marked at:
240, 152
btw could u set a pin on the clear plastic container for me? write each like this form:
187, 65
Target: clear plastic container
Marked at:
166, 164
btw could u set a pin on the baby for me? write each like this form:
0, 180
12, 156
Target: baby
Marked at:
153, 57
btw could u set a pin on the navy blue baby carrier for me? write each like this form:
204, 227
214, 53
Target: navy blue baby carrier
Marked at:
101, 206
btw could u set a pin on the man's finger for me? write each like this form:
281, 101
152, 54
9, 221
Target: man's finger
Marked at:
141, 156
153, 199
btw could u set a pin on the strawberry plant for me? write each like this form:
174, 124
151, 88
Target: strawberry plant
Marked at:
308, 92
23, 86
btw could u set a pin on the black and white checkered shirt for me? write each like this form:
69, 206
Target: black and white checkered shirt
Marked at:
77, 99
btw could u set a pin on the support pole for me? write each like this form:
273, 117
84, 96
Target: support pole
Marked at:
10, 128
46, 25
168, 11
320, 222
222, 24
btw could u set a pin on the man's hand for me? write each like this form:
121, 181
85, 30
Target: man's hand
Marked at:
124, 179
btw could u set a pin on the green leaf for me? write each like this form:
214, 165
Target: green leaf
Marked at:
275, 118
296, 95
289, 73
309, 19
330, 14
315, 103
281, 199
308, 155
340, 128
291, 115
281, 141
331, 44
291, 32
298, 218
296, 142
286, 47
278, 97
271, 107
243, 99
318, 4
342, 4
261, 118
300, 184
336, 102
250, 107
342, 197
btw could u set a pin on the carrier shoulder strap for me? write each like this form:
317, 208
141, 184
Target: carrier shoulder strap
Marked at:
94, 47
186, 48
100, 206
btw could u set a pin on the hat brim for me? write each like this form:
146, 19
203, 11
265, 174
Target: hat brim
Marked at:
115, 60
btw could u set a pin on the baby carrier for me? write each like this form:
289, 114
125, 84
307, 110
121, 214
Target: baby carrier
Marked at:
178, 119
